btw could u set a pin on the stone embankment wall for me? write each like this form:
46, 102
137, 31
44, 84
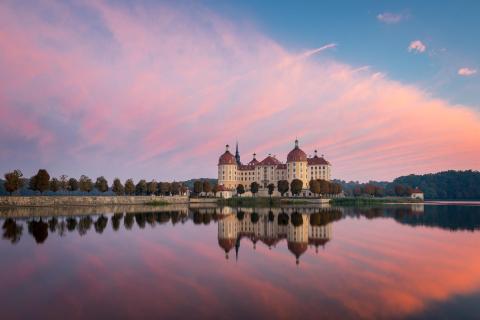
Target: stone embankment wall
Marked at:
58, 211
51, 201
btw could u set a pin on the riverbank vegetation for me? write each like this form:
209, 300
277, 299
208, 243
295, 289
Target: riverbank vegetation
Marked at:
359, 201
42, 183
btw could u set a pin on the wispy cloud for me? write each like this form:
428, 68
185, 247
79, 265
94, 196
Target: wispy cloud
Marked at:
317, 50
466, 72
391, 18
417, 46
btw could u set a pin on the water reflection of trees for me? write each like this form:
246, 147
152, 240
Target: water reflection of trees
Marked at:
41, 228
448, 217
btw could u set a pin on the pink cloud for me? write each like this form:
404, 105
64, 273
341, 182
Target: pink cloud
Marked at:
417, 46
466, 72
160, 90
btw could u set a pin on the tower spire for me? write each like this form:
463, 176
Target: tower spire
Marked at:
237, 155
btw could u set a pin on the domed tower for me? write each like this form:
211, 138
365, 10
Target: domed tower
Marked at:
227, 170
297, 165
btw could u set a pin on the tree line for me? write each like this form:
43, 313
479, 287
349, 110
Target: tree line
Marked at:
42, 182
442, 185
317, 187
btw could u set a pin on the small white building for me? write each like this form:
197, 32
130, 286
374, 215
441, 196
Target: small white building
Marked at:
417, 194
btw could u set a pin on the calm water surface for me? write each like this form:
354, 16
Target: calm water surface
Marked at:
176, 262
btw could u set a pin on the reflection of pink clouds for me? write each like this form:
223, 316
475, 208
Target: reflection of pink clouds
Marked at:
140, 84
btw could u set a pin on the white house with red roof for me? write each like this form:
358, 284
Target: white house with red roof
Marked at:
417, 194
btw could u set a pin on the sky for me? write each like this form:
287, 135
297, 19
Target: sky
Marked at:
155, 90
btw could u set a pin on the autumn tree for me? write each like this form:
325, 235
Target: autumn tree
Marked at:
215, 189
324, 186
197, 187
314, 186
282, 186
254, 186
240, 189
271, 188
101, 184
296, 186
175, 187
164, 188
42, 181
85, 184
72, 185
117, 187
141, 187
152, 187
129, 187
13, 181
54, 185
64, 182
207, 187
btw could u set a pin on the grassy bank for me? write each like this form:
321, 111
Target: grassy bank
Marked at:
358, 201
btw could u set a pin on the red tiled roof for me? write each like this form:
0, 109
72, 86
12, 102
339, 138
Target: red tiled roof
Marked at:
296, 154
227, 158
269, 161
416, 190
226, 244
316, 160
253, 162
297, 248
282, 166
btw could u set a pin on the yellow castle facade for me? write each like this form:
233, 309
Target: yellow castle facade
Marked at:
232, 172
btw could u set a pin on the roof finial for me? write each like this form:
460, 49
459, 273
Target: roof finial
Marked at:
315, 152
296, 142
226, 147
254, 155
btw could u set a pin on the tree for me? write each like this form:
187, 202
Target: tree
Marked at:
13, 181
117, 187
38, 229
152, 187
101, 184
164, 188
240, 189
32, 183
197, 187
369, 189
271, 188
85, 184
324, 186
215, 189
11, 230
314, 187
72, 185
175, 187
296, 186
141, 187
54, 185
183, 189
282, 186
42, 181
206, 187
129, 187
64, 182
254, 217
254, 186
399, 190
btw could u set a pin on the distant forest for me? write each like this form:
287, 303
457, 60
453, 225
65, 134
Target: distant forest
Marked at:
446, 185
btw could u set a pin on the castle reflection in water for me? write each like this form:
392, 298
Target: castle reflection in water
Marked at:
299, 227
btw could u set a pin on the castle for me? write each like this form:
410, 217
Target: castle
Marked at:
231, 171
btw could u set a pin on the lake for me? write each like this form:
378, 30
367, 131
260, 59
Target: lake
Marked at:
396, 261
